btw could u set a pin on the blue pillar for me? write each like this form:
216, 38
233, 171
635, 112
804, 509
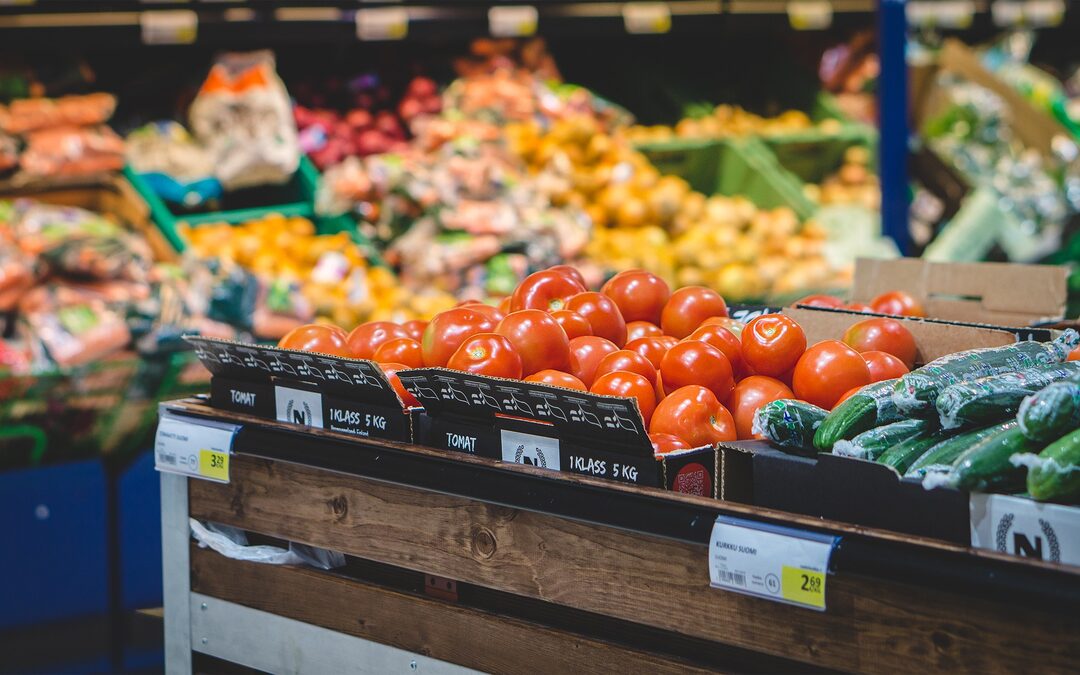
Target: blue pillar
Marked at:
893, 122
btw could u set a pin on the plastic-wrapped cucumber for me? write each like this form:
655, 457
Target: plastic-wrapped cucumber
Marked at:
871, 443
870, 407
902, 456
917, 391
1050, 412
940, 457
986, 466
1054, 474
994, 398
788, 423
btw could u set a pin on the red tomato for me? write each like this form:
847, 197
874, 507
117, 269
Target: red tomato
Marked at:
749, 395
640, 295
504, 305
629, 361
847, 394
662, 444
652, 348
602, 314
569, 271
897, 303
573, 324
367, 337
695, 415
317, 337
415, 329
733, 325
696, 362
882, 335
1074, 355
826, 371
859, 307
629, 385
391, 370
819, 300
586, 352
538, 339
547, 290
883, 366
445, 333
688, 307
640, 329
487, 354
557, 378
400, 350
493, 312
772, 344
726, 341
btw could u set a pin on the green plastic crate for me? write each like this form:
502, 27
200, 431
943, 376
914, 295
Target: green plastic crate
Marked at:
813, 155
694, 160
747, 167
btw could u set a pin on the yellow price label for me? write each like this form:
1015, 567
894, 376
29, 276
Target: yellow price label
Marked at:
803, 586
214, 465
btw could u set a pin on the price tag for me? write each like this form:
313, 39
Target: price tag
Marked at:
194, 447
1044, 13
169, 27
809, 14
942, 13
769, 561
382, 23
646, 17
513, 21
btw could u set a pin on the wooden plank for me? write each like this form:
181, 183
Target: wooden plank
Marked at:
468, 637
870, 626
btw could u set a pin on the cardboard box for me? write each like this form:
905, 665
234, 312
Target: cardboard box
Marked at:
348, 396
1023, 527
550, 427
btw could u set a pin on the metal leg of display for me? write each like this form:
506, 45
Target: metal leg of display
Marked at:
176, 579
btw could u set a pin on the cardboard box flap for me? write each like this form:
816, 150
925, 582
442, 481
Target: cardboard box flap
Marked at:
361, 381
606, 420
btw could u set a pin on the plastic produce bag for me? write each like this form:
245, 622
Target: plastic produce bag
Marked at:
32, 114
177, 168
232, 543
72, 151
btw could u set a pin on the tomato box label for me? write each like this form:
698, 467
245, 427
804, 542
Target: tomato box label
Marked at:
1049, 532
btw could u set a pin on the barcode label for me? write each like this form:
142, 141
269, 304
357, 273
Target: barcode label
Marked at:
736, 578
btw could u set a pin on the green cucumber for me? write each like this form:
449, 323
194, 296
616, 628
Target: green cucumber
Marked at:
994, 398
788, 423
917, 391
871, 443
1050, 412
940, 458
902, 456
1054, 474
985, 466
870, 407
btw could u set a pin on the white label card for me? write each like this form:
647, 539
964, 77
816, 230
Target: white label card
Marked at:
382, 23
943, 13
1035, 13
194, 447
769, 561
513, 21
646, 17
169, 27
810, 14
297, 406
530, 449
1049, 532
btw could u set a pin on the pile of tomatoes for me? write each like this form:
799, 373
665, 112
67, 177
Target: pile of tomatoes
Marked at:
697, 375
896, 303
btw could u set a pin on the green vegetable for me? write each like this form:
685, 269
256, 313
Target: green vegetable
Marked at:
1051, 412
994, 398
788, 423
902, 456
940, 458
985, 466
871, 406
917, 391
872, 443
1054, 475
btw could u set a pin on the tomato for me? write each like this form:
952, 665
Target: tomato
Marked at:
883, 366
557, 378
882, 335
538, 339
602, 314
695, 415
652, 348
662, 444
897, 303
629, 385
688, 307
772, 344
569, 271
726, 341
504, 305
1074, 355
749, 395
415, 329
317, 337
391, 370
586, 352
573, 324
445, 333
733, 325
858, 307
627, 360
696, 362
400, 350
847, 394
547, 290
640, 295
819, 300
640, 329
487, 354
367, 337
492, 312
826, 371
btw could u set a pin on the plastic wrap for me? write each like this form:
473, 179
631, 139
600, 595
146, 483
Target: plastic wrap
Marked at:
940, 457
232, 543
787, 423
1051, 411
1054, 474
872, 443
994, 398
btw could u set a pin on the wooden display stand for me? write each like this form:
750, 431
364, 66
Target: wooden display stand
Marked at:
463, 563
